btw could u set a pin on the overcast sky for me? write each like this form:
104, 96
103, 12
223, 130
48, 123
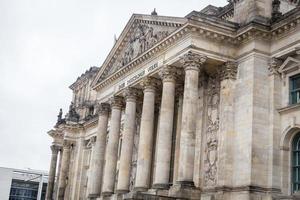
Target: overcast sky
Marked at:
44, 46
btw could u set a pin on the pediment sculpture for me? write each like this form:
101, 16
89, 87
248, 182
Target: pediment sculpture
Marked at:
143, 37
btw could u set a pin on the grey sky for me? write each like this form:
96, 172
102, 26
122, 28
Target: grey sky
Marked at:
44, 46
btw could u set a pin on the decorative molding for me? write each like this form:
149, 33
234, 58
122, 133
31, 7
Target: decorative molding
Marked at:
103, 109
131, 94
150, 83
169, 73
229, 71
117, 102
193, 61
232, 36
68, 144
55, 149
212, 128
274, 65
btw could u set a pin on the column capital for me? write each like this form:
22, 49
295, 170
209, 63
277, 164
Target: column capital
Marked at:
103, 109
169, 73
274, 64
67, 144
55, 149
131, 94
93, 140
150, 83
117, 102
193, 61
228, 71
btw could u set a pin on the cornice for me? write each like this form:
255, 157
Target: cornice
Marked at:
56, 134
231, 35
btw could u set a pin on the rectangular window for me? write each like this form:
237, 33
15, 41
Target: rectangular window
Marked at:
295, 89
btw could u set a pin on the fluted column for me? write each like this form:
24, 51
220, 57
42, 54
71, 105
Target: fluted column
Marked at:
64, 170
52, 172
127, 144
192, 64
164, 139
142, 180
98, 155
111, 156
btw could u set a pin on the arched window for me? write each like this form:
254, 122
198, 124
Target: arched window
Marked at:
296, 163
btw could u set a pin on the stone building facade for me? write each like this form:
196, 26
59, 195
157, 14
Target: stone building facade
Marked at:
205, 106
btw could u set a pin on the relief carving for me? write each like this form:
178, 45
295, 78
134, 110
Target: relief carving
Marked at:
144, 37
212, 128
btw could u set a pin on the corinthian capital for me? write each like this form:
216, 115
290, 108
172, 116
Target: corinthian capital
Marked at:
104, 108
228, 71
117, 102
193, 61
55, 149
169, 73
67, 144
131, 94
274, 66
150, 83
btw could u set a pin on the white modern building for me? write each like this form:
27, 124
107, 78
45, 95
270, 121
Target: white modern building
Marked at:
17, 184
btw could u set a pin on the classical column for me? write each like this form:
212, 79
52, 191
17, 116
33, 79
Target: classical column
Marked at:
164, 139
226, 136
52, 172
127, 142
192, 64
179, 100
99, 152
58, 174
64, 170
144, 160
111, 156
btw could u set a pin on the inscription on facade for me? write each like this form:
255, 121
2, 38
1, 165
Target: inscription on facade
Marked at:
138, 76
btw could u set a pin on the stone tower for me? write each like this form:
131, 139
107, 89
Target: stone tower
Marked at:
252, 10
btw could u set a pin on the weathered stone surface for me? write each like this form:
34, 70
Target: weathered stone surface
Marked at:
225, 135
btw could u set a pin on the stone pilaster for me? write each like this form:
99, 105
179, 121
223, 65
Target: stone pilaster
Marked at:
192, 64
51, 179
164, 139
226, 134
97, 162
275, 89
90, 175
63, 178
127, 142
111, 156
145, 148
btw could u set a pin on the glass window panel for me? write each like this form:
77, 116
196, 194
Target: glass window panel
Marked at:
296, 163
295, 89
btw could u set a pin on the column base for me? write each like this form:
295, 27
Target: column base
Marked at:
122, 191
185, 190
140, 189
186, 184
162, 186
93, 196
107, 193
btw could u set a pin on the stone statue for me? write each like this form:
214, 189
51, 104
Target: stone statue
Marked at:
72, 115
60, 120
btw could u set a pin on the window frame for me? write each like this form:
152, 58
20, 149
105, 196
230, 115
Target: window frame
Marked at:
291, 89
295, 153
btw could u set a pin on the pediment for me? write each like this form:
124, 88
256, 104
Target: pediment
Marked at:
140, 34
289, 64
